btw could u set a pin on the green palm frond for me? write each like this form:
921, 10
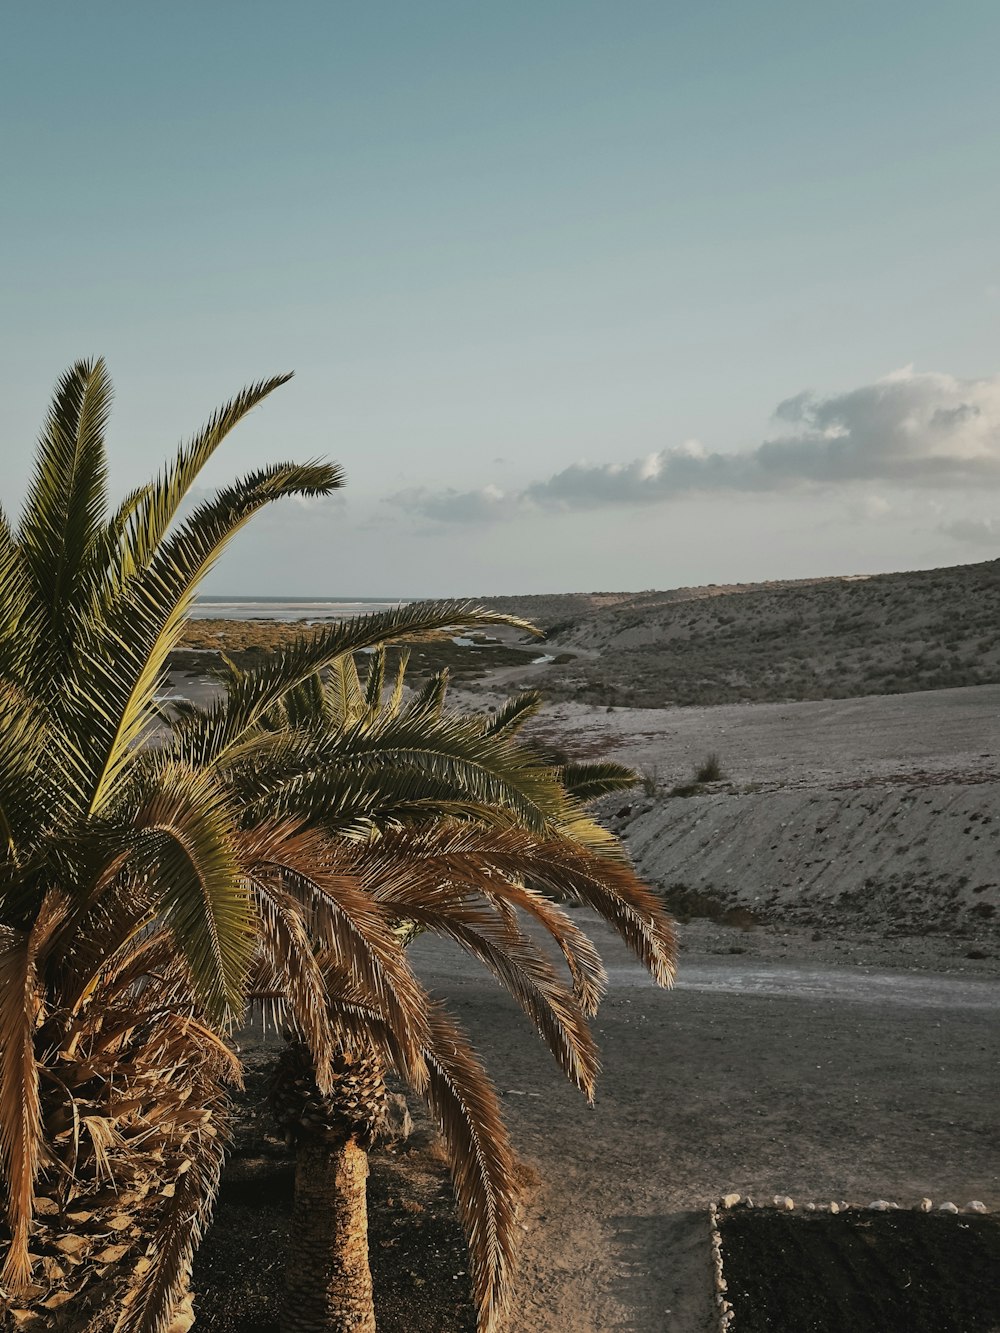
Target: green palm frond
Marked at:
23, 734
65, 506
588, 782
124, 659
513, 713
260, 688
375, 683
344, 701
449, 750
185, 844
429, 701
146, 515
20, 613
395, 700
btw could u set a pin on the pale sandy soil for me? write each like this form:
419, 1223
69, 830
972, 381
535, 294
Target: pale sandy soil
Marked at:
832, 1086
819, 1084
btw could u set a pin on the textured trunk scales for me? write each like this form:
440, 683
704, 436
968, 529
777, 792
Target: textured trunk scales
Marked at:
328, 1284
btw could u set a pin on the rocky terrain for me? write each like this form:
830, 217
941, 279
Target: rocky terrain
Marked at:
826, 638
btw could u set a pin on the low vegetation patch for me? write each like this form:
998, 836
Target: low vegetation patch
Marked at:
688, 904
710, 769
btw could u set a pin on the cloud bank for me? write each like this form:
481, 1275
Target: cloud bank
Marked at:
978, 531
907, 429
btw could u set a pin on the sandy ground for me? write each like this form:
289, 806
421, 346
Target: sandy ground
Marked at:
764, 1079
936, 732
850, 1063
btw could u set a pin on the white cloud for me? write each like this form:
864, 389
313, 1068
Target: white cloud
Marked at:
485, 503
908, 429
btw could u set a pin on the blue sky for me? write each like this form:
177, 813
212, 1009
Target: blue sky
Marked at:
528, 261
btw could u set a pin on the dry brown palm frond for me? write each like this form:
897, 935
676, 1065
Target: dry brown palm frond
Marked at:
463, 852
20, 1103
183, 1034
104, 1138
517, 963
135, 1121
107, 944
482, 1161
287, 967
356, 1019
347, 923
506, 895
178, 1235
22, 1008
579, 951
143, 952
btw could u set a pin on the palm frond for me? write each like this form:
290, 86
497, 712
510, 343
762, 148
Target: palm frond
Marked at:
287, 967
261, 687
344, 695
581, 956
513, 713
179, 1232
395, 700
20, 610
434, 856
348, 928
429, 701
375, 683
125, 658
610, 887
146, 515
21, 1129
587, 782
462, 1100
184, 844
487, 770
64, 507
23, 732
516, 962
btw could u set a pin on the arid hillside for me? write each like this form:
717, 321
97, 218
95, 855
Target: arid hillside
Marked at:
810, 639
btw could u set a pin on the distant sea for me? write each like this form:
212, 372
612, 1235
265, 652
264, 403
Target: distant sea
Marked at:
280, 608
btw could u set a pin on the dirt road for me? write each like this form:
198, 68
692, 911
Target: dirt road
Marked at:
815, 1082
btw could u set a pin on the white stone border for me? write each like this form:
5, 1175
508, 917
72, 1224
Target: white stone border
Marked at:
784, 1203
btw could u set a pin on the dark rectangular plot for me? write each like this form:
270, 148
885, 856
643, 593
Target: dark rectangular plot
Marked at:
861, 1272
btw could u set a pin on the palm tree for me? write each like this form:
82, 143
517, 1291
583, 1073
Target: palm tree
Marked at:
138, 901
444, 822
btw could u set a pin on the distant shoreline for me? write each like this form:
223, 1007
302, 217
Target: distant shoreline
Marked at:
288, 608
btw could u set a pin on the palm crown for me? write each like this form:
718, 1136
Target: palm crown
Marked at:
281, 845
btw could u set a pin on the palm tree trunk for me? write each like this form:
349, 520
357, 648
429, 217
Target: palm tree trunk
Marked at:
328, 1284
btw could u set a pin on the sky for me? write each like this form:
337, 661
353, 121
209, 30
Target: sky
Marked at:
580, 295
